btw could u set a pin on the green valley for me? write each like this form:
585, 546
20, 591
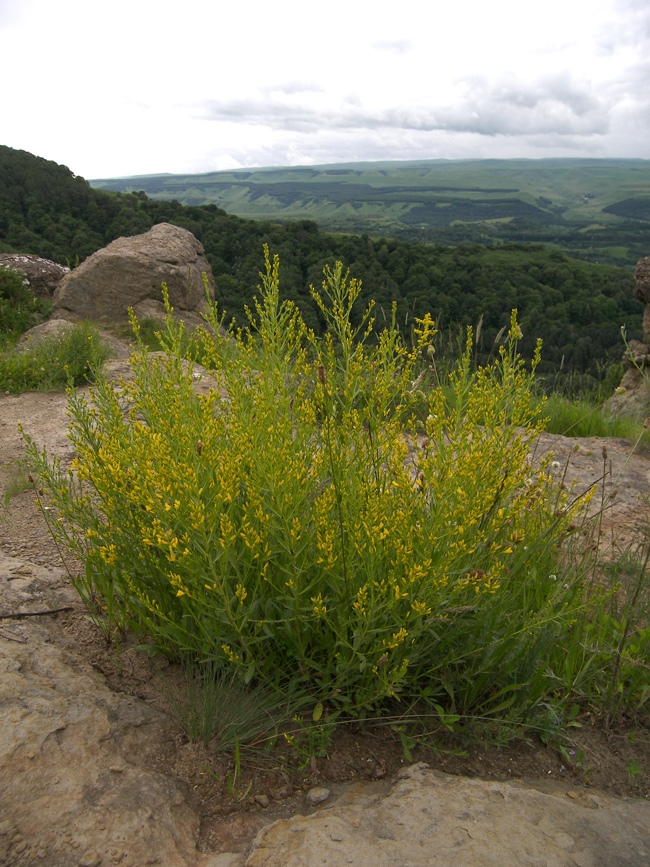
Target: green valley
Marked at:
596, 209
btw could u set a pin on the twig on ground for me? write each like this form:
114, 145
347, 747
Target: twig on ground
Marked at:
17, 614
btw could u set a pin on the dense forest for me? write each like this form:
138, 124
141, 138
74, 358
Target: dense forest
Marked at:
577, 308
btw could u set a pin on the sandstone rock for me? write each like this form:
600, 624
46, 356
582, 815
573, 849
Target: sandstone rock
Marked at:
42, 275
61, 730
131, 270
432, 818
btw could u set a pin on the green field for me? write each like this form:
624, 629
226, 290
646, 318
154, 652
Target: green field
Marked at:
596, 209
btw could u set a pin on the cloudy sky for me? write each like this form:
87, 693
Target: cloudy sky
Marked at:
136, 87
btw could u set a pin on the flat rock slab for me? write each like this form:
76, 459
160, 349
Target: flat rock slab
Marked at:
75, 786
431, 818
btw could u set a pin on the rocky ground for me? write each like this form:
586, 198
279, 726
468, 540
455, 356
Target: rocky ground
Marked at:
96, 770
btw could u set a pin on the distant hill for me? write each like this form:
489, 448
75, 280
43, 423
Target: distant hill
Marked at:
596, 209
575, 307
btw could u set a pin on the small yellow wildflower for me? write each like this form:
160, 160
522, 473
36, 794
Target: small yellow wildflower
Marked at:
108, 554
320, 609
398, 638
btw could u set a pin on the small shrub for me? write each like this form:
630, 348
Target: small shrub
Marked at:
20, 308
294, 533
72, 357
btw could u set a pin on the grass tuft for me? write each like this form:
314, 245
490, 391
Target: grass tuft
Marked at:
72, 357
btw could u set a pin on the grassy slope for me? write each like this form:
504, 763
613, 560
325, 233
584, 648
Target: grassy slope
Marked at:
393, 187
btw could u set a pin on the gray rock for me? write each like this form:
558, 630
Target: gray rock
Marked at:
132, 270
317, 795
42, 275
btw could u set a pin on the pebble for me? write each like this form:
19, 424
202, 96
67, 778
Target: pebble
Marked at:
317, 795
262, 800
92, 858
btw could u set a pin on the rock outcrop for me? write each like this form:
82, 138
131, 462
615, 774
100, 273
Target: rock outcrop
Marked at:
42, 275
130, 272
75, 785
632, 397
432, 818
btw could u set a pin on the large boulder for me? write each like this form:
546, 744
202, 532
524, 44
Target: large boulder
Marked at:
41, 275
130, 271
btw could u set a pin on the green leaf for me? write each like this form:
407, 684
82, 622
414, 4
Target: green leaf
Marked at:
318, 712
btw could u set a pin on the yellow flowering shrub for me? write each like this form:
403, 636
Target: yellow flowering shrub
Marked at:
297, 528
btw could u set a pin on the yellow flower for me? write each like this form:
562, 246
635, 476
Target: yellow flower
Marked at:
398, 638
320, 609
108, 554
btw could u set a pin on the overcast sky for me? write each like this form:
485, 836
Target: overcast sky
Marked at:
137, 87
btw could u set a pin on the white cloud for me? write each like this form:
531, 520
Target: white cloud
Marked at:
394, 46
144, 86
505, 107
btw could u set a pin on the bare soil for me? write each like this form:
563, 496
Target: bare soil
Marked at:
615, 759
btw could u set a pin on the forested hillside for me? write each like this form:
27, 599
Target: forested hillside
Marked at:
576, 308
